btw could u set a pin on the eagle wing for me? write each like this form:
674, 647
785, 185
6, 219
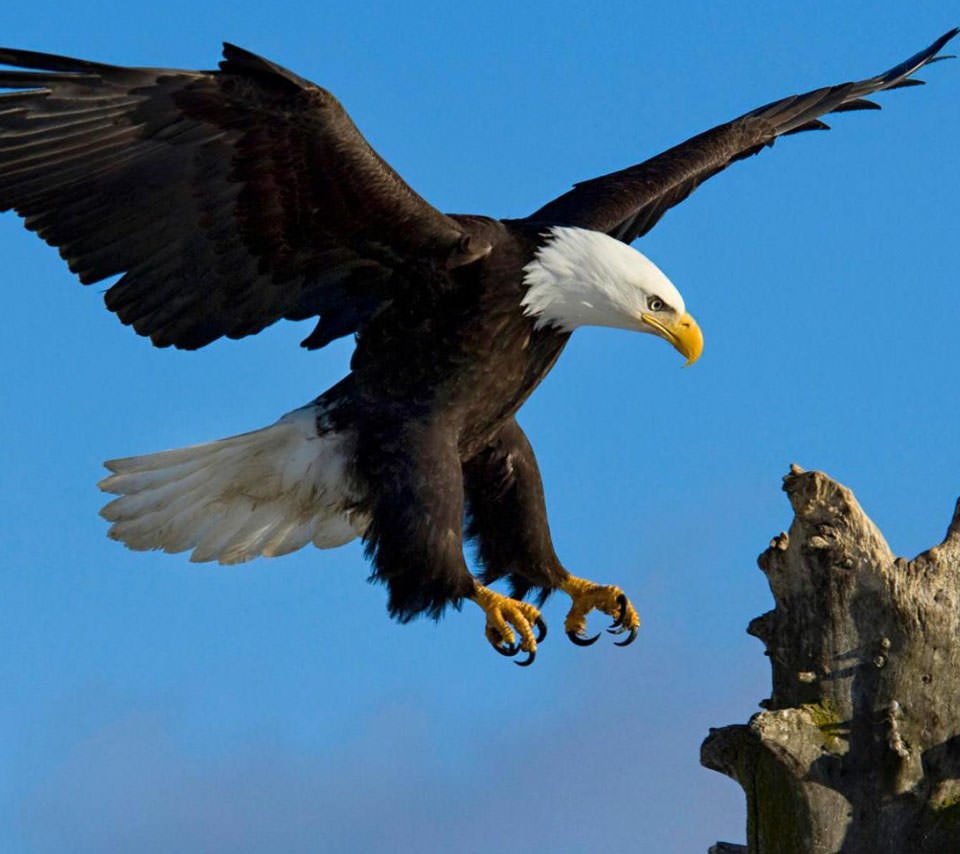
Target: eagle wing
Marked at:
227, 199
628, 203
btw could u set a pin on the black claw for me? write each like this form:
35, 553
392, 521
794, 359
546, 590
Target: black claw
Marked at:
509, 650
580, 640
619, 630
541, 630
629, 640
527, 661
622, 602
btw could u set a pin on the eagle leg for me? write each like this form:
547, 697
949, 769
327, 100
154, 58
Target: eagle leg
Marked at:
607, 598
503, 616
507, 515
411, 474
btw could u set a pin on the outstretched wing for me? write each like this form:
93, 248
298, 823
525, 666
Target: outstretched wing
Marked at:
628, 203
228, 199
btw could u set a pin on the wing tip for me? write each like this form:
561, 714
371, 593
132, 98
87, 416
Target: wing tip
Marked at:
919, 60
925, 57
949, 34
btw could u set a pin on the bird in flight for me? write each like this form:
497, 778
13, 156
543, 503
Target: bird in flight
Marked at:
227, 200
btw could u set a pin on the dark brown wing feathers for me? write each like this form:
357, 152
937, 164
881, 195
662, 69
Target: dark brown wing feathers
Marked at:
229, 199
628, 203
226, 199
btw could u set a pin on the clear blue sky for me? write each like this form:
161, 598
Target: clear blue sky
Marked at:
152, 705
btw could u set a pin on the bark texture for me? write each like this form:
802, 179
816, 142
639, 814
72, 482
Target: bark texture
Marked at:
858, 749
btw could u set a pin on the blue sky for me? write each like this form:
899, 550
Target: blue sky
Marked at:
154, 705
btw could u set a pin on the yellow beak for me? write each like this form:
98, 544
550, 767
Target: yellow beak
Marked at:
683, 333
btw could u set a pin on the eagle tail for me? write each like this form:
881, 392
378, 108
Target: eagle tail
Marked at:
268, 492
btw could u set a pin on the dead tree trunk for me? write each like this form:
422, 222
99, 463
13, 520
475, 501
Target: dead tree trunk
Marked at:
858, 749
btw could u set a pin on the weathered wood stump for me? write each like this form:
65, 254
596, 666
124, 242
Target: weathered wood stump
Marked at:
858, 749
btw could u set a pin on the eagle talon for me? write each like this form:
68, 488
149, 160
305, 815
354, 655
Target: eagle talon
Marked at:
622, 604
611, 600
506, 619
582, 640
509, 650
528, 660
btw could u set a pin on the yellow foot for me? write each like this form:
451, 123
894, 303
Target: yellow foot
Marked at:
502, 613
587, 597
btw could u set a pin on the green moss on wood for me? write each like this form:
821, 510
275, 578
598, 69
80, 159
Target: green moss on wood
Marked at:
826, 717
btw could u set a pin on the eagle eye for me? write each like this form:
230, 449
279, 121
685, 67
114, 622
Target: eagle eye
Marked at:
655, 304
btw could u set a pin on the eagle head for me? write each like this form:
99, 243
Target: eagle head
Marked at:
580, 277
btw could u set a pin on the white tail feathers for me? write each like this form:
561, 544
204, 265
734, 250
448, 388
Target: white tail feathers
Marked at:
268, 493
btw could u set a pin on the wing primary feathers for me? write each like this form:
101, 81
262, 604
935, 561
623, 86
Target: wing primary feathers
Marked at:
50, 61
38, 80
276, 205
813, 124
628, 203
905, 84
858, 104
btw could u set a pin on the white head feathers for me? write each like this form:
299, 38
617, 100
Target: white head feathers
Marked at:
581, 277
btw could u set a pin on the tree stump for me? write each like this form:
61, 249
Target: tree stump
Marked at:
858, 749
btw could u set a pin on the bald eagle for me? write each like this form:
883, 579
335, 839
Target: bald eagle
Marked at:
229, 199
